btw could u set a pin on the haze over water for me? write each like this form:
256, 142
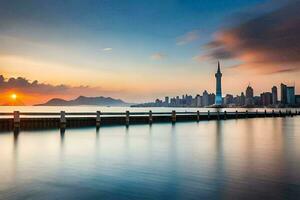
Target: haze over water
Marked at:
233, 159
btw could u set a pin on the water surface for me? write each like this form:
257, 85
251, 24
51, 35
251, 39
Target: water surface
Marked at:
233, 159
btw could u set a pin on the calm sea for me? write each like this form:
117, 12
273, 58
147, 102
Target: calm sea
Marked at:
232, 159
121, 109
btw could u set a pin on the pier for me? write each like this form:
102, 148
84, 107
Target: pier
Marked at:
43, 120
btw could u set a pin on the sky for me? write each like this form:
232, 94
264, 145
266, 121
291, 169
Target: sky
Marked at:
141, 50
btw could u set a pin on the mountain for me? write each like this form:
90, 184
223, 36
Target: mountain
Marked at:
82, 100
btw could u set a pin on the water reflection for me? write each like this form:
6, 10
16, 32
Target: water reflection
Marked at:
232, 159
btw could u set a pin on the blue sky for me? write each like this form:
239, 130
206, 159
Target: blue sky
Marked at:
123, 48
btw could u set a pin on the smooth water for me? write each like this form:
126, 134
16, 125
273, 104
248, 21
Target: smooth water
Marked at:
233, 159
123, 109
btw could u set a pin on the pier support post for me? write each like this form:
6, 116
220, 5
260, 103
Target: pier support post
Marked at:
246, 113
236, 114
208, 115
98, 119
127, 118
265, 113
198, 115
225, 114
256, 113
286, 113
291, 114
150, 117
63, 120
273, 113
17, 120
280, 113
218, 115
173, 116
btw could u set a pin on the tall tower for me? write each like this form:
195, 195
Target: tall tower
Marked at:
218, 75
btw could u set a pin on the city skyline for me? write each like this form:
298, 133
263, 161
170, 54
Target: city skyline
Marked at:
247, 98
138, 51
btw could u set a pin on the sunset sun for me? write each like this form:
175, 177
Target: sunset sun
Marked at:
14, 96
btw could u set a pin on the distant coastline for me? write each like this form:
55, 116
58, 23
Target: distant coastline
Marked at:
88, 101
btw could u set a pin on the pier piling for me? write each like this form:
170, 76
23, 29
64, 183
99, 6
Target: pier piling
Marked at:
63, 120
127, 118
98, 119
173, 116
17, 120
198, 116
150, 117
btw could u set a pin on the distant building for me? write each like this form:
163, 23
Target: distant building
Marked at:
242, 99
188, 100
212, 99
198, 101
297, 100
173, 102
177, 101
218, 98
158, 102
290, 95
266, 98
274, 95
166, 101
257, 101
228, 99
249, 96
205, 100
283, 98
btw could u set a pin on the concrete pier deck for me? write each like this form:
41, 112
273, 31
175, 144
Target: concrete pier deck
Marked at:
43, 120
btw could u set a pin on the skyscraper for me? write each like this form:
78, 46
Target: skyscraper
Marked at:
198, 100
205, 99
266, 98
242, 99
228, 99
290, 95
218, 75
249, 96
166, 101
274, 95
283, 94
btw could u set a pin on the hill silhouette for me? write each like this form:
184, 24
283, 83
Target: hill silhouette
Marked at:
82, 100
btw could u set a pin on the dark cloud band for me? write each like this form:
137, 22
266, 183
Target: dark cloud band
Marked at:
270, 41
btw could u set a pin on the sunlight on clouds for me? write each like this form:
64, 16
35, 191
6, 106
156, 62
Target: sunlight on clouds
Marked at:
107, 49
158, 56
188, 38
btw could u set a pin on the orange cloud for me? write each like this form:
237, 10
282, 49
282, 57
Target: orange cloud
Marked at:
268, 43
35, 92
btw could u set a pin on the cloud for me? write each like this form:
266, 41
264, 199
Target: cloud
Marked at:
188, 38
34, 87
107, 49
268, 43
158, 56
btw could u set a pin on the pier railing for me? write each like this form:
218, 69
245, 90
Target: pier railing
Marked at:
27, 120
